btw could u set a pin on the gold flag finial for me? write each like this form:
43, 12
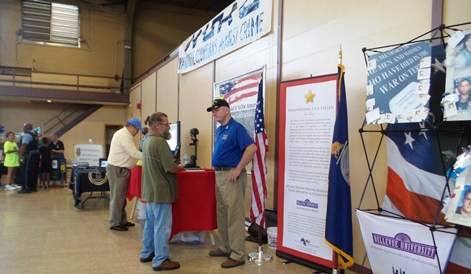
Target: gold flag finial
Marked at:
340, 54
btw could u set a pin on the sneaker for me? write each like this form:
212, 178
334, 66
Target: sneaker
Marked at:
167, 265
218, 253
16, 186
10, 187
230, 263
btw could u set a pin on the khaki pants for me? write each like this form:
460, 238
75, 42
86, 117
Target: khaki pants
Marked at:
230, 198
118, 177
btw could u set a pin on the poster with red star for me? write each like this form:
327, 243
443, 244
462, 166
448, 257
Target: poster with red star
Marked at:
307, 116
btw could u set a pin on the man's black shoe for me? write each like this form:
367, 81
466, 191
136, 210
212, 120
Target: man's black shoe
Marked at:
128, 224
23, 191
148, 258
119, 228
34, 190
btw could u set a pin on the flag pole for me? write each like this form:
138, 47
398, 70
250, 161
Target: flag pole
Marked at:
335, 254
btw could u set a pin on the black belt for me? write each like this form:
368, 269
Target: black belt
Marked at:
223, 168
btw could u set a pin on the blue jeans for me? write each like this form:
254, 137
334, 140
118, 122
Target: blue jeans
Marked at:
156, 232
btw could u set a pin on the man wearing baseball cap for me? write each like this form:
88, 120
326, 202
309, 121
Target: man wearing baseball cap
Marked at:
122, 158
234, 148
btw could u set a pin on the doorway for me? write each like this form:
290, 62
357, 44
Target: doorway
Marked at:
109, 131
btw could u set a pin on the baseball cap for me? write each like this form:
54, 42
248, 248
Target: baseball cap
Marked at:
217, 103
135, 122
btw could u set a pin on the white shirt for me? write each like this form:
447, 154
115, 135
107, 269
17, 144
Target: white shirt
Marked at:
123, 151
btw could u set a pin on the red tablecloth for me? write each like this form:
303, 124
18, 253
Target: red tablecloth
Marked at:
195, 207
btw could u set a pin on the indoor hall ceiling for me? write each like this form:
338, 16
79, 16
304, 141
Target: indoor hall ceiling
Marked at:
120, 5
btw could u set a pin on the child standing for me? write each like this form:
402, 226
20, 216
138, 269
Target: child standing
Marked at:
11, 160
45, 153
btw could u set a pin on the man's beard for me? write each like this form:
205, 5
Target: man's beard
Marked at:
166, 135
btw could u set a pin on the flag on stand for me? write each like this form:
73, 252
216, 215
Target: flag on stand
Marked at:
338, 227
259, 167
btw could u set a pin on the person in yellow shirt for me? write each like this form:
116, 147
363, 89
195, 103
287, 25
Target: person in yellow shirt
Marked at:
11, 161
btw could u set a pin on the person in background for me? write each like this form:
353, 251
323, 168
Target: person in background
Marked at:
465, 208
28, 153
57, 147
159, 190
233, 151
121, 159
145, 132
11, 161
45, 156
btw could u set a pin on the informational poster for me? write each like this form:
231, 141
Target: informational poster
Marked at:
241, 94
308, 111
457, 100
90, 154
398, 85
401, 246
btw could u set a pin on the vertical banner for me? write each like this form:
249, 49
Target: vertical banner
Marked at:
401, 246
307, 116
90, 154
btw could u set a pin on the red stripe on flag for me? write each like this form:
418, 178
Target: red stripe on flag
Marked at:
453, 268
412, 205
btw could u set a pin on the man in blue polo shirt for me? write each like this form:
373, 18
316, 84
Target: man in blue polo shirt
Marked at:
233, 150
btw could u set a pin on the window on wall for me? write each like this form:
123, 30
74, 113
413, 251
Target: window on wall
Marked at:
50, 23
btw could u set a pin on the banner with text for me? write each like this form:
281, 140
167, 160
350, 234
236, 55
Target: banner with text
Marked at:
401, 246
237, 25
307, 117
398, 85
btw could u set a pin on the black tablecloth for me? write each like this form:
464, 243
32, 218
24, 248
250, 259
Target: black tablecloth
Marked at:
88, 180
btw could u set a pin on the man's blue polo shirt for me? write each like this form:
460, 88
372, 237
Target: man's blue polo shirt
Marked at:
231, 141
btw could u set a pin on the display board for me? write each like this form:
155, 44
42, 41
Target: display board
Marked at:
457, 99
86, 153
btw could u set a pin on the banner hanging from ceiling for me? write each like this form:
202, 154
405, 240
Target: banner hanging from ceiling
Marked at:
236, 26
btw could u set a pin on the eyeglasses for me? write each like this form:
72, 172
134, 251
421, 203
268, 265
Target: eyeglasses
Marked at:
167, 124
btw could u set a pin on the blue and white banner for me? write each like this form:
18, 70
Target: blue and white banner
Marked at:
400, 246
398, 85
241, 23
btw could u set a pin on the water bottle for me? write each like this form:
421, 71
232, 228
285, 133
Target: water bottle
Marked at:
185, 159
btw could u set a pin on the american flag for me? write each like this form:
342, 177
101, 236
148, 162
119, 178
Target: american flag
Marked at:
259, 167
417, 157
240, 88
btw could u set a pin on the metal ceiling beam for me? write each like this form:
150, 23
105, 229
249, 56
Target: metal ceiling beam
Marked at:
127, 74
